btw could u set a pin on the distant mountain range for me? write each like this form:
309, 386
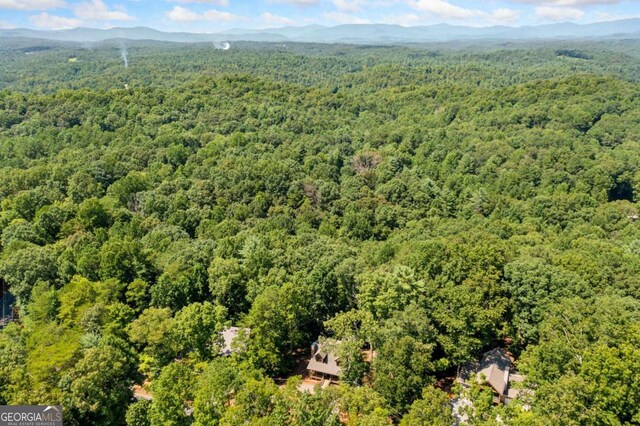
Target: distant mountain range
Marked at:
362, 34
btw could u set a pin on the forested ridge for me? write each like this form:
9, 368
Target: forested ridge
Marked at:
424, 205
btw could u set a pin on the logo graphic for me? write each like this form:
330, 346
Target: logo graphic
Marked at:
30, 415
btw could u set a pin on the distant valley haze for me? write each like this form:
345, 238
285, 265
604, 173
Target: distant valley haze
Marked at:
350, 33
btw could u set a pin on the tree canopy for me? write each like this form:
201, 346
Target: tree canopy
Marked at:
418, 204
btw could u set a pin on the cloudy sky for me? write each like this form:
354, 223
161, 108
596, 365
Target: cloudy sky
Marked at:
217, 15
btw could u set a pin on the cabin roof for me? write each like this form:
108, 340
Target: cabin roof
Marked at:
324, 361
495, 366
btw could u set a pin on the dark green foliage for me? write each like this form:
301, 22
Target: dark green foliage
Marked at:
401, 369
433, 408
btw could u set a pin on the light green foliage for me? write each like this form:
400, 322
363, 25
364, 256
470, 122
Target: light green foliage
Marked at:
12, 362
363, 405
99, 385
171, 390
352, 364
275, 320
402, 368
196, 329
82, 186
75, 298
382, 293
534, 286
585, 364
152, 332
295, 408
137, 294
432, 409
23, 267
138, 413
217, 386
44, 304
255, 400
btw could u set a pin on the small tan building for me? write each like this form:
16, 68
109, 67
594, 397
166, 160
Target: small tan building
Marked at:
324, 364
496, 368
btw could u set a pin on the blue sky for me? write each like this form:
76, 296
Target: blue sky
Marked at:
219, 15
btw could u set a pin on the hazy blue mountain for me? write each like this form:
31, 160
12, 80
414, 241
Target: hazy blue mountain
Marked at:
95, 35
290, 32
370, 33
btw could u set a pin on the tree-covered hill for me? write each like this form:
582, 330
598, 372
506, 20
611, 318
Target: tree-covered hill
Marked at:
45, 66
424, 204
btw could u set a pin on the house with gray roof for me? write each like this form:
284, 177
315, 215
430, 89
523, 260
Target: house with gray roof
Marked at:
495, 368
324, 363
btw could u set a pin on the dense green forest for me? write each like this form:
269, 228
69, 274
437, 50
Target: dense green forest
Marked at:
425, 203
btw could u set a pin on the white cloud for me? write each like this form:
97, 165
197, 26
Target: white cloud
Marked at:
504, 16
223, 3
349, 5
182, 14
96, 10
406, 20
446, 10
559, 13
269, 19
569, 2
344, 18
296, 2
31, 4
44, 20
443, 9
215, 15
